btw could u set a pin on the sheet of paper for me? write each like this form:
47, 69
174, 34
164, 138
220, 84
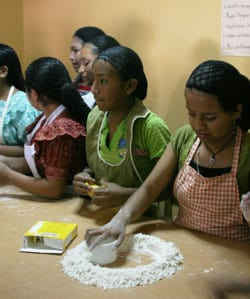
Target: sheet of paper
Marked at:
235, 33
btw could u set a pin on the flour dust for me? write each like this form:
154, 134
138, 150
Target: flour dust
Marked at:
142, 259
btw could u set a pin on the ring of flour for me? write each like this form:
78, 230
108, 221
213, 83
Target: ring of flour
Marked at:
166, 260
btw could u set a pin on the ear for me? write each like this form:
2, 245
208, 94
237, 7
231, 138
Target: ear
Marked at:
33, 95
4, 70
238, 111
130, 86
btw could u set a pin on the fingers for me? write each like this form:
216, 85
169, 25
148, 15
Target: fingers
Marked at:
117, 243
94, 237
82, 185
246, 197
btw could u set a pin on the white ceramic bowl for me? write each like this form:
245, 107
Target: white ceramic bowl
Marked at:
103, 254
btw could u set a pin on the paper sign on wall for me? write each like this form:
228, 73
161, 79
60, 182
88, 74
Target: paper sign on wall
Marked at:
235, 33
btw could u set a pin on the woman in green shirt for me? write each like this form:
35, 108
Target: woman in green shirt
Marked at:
124, 138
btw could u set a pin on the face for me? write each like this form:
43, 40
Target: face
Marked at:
210, 122
33, 99
87, 58
3, 75
75, 52
109, 90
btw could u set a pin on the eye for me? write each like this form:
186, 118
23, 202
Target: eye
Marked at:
191, 114
210, 118
103, 81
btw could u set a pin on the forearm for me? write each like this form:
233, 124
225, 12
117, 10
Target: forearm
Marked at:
136, 205
49, 188
160, 177
18, 164
12, 150
125, 193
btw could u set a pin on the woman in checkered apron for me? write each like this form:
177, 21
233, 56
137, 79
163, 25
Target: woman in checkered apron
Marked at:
208, 159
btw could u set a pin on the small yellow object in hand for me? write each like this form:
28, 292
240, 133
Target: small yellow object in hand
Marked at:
94, 186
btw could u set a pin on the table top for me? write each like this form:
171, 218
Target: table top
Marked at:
29, 275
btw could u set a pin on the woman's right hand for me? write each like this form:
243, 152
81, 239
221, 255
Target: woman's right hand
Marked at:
115, 229
82, 183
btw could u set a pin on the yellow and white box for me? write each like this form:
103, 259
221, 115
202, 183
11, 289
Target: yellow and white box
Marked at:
49, 237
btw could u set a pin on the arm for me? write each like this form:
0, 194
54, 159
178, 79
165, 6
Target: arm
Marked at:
11, 150
155, 183
45, 187
18, 164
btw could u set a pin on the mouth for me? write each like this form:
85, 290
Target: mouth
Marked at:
99, 100
201, 135
75, 65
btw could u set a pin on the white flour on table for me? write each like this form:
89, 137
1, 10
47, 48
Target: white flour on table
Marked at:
164, 260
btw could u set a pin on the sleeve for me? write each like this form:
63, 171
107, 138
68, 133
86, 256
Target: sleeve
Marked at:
23, 115
63, 156
156, 135
182, 142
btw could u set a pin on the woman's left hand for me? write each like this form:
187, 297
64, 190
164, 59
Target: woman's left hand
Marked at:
108, 195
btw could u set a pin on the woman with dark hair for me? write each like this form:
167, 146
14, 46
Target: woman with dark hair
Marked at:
125, 139
209, 160
15, 110
79, 38
89, 52
55, 145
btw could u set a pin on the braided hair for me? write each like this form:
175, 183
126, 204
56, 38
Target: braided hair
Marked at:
223, 80
88, 32
101, 43
9, 58
129, 66
50, 79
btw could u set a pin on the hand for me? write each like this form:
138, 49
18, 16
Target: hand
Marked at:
115, 229
4, 174
108, 195
245, 206
82, 183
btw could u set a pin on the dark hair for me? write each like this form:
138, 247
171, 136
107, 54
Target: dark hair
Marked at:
87, 33
128, 65
102, 42
9, 58
50, 79
223, 80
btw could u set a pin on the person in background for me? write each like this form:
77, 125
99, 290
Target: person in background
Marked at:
79, 38
89, 52
209, 160
125, 139
15, 110
55, 144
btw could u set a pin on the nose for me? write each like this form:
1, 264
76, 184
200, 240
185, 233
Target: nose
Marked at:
94, 88
199, 124
81, 68
71, 55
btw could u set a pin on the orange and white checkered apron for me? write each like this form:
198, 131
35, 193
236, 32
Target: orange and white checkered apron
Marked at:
211, 205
